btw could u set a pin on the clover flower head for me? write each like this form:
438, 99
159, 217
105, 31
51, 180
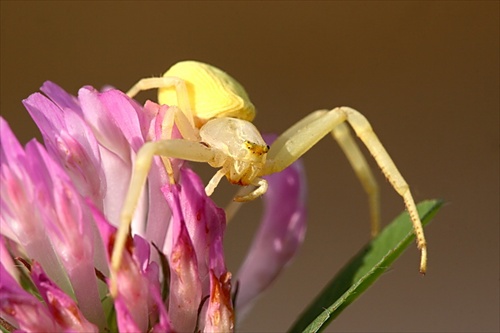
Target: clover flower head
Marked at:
60, 205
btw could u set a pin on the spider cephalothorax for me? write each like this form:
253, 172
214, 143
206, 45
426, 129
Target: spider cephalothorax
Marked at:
241, 151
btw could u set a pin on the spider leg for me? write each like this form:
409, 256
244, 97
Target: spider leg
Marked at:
344, 138
164, 83
342, 135
261, 188
182, 149
296, 141
177, 117
246, 193
212, 184
180, 116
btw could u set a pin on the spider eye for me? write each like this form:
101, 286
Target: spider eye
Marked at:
255, 148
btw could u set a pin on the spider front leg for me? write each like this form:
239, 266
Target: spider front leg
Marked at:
341, 133
182, 149
306, 133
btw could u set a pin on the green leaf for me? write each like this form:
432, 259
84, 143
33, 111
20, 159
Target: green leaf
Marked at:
363, 269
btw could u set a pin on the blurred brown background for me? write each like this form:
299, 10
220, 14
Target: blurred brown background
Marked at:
426, 74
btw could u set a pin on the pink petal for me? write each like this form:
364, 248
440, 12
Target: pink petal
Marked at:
133, 293
131, 302
60, 97
197, 221
185, 284
103, 124
70, 141
116, 154
15, 198
124, 317
70, 227
21, 308
62, 307
163, 323
220, 313
159, 212
205, 223
126, 115
50, 220
22, 194
6, 260
121, 127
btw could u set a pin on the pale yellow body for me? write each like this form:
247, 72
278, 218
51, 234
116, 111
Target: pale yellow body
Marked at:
214, 113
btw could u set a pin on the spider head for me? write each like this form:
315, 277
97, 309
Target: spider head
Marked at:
238, 147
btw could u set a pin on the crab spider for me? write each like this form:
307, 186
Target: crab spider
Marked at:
213, 114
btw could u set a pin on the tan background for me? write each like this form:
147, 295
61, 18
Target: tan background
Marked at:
426, 74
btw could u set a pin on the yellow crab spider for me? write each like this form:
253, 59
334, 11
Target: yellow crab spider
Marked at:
213, 113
